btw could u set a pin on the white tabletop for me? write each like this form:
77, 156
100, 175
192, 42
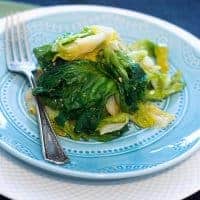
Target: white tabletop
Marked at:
23, 182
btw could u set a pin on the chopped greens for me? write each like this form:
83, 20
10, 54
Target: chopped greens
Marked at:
79, 91
161, 53
129, 76
148, 115
113, 123
92, 85
90, 39
164, 86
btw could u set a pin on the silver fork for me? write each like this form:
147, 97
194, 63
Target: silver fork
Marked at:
19, 59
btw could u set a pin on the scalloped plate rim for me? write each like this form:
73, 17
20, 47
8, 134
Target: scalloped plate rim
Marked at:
193, 41
100, 176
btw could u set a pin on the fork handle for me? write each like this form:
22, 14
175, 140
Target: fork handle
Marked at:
51, 148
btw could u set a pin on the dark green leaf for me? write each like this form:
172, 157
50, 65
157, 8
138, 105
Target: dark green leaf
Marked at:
78, 90
129, 76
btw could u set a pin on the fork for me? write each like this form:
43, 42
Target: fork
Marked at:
19, 60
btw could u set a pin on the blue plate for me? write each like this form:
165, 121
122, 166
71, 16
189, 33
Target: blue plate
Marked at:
137, 152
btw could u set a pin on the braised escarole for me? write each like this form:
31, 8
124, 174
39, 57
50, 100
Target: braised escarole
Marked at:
92, 84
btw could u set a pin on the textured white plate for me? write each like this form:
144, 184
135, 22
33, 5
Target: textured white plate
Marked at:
21, 182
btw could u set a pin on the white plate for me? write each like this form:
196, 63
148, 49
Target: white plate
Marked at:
20, 182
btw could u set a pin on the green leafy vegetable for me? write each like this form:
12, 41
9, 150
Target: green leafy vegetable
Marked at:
68, 130
113, 123
92, 84
143, 48
85, 44
164, 86
44, 55
138, 55
129, 76
148, 115
161, 54
89, 119
146, 45
79, 91
156, 67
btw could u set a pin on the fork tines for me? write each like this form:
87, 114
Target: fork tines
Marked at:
16, 41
